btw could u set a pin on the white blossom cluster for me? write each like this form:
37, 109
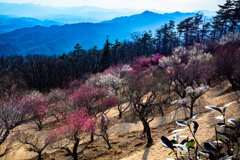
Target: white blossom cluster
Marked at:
201, 57
231, 37
56, 95
35, 95
125, 68
197, 53
181, 101
183, 57
94, 79
195, 90
168, 62
110, 80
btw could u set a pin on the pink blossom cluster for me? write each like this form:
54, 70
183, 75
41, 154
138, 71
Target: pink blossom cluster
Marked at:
80, 123
132, 71
145, 63
141, 63
86, 96
156, 58
76, 83
108, 103
16, 109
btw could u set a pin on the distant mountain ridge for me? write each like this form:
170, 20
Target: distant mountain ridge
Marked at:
8, 24
149, 20
61, 39
87, 13
74, 14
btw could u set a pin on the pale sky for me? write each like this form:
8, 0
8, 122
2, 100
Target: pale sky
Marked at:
164, 5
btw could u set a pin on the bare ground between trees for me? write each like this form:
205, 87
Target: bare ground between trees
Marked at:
218, 96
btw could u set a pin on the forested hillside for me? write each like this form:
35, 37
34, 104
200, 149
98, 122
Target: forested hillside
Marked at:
45, 72
64, 105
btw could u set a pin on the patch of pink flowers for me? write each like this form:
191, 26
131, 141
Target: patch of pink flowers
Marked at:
108, 103
141, 63
77, 124
86, 95
132, 71
156, 58
145, 63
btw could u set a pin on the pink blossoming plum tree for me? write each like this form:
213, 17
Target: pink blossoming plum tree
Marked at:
75, 128
14, 111
38, 109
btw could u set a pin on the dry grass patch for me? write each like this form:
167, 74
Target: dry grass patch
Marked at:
115, 142
92, 145
117, 151
107, 152
95, 149
130, 136
132, 150
80, 156
139, 137
124, 144
139, 143
121, 135
155, 134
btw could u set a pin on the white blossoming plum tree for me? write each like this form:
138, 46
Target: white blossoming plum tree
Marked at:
185, 67
193, 94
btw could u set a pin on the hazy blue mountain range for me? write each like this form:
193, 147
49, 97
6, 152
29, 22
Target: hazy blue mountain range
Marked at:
58, 39
8, 23
62, 39
150, 20
71, 14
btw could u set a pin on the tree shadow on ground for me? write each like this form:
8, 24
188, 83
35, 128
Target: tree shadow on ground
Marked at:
146, 152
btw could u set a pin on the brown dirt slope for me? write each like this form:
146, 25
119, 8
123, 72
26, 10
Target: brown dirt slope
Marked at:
218, 96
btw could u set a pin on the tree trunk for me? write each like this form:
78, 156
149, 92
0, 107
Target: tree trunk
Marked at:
39, 124
74, 153
92, 137
39, 155
161, 110
57, 120
234, 85
191, 112
191, 107
147, 130
120, 114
